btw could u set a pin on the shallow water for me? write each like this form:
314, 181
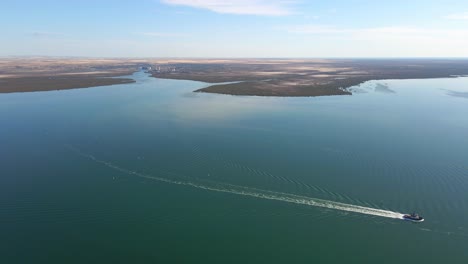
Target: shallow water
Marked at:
153, 172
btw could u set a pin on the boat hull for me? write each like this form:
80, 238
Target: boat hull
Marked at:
413, 219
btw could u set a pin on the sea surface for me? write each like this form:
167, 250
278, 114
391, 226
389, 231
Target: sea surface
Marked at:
151, 172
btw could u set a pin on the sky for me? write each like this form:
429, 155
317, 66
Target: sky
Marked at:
234, 29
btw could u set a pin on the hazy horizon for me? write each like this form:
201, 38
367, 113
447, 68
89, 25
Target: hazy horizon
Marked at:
230, 58
235, 29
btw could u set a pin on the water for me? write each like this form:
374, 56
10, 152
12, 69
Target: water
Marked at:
150, 172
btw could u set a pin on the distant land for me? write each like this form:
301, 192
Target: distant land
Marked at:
305, 77
259, 77
45, 74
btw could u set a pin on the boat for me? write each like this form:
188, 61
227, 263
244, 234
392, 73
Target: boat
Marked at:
414, 217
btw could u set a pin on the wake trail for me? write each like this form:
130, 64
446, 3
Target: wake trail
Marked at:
252, 192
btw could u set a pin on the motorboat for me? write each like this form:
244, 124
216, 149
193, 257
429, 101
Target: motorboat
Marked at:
414, 217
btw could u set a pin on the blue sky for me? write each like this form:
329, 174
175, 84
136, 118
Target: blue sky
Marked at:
242, 28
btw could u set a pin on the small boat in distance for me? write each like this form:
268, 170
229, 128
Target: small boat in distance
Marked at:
414, 217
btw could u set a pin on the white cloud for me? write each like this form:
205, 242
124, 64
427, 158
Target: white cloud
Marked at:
391, 31
315, 29
457, 16
239, 7
393, 41
162, 34
45, 34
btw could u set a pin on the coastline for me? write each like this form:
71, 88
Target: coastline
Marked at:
246, 77
304, 78
47, 73
52, 83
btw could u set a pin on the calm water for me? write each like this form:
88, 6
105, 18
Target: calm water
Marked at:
150, 172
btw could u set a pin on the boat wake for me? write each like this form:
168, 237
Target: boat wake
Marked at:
251, 192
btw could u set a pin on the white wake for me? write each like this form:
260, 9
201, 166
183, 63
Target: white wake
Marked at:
254, 192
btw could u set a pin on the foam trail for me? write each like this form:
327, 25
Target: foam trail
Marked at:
256, 193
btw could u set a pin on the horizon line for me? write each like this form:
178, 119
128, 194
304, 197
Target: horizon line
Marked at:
224, 58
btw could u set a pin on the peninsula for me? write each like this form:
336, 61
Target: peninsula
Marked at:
303, 77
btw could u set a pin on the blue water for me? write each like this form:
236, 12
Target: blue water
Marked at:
152, 172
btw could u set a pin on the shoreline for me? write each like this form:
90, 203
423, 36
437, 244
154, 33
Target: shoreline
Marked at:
31, 74
249, 77
305, 78
55, 83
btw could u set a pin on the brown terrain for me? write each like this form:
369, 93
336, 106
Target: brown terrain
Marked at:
261, 77
45, 74
308, 77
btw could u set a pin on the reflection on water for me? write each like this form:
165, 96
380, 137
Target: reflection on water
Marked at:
458, 94
371, 87
383, 88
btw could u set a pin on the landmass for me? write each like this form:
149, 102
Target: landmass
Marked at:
307, 77
46, 74
258, 77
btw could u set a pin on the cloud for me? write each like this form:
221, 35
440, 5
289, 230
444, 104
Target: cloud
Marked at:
43, 34
457, 16
330, 30
315, 29
391, 41
390, 31
239, 7
162, 34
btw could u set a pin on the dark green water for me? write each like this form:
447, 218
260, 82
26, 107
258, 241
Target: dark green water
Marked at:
150, 172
